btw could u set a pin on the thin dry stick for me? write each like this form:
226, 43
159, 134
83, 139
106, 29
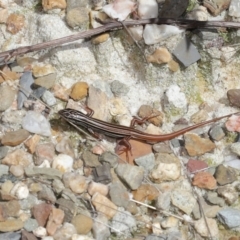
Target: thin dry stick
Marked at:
184, 23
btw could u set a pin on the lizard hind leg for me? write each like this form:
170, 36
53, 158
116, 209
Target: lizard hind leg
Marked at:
123, 145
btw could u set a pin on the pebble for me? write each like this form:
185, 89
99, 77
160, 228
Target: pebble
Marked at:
224, 175
204, 180
60, 92
213, 198
40, 232
47, 81
46, 194
217, 6
8, 74
90, 159
43, 152
11, 208
216, 133
31, 143
123, 221
35, 122
11, 225
100, 228
173, 8
119, 194
100, 39
183, 200
119, 9
196, 145
137, 32
94, 187
195, 165
104, 205
17, 170
41, 213
30, 224
147, 161
20, 190
147, 9
7, 95
63, 163
228, 193
199, 116
79, 91
54, 221
97, 15
233, 123
118, 88
233, 97
235, 148
11, 236
201, 228
82, 223
229, 217
154, 33
35, 187
49, 173
3, 169
3, 152
51, 4
18, 157
160, 55
168, 168
163, 201
199, 13
145, 192
49, 98
15, 138
65, 147
65, 232
15, 23
78, 17
169, 222
173, 66
25, 83
109, 158
131, 175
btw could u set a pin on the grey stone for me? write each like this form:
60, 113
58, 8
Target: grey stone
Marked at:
38, 92
7, 95
29, 202
100, 229
49, 98
58, 186
46, 194
213, 198
30, 224
49, 173
47, 81
217, 133
102, 174
173, 8
224, 175
3, 169
3, 151
119, 195
186, 52
175, 143
162, 147
229, 193
6, 177
110, 158
16, 68
163, 201
90, 159
235, 148
131, 175
10, 236
229, 217
25, 83
147, 161
118, 88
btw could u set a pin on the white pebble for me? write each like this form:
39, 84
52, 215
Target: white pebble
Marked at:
137, 32
147, 9
63, 163
154, 33
35, 122
40, 232
49, 98
176, 97
20, 190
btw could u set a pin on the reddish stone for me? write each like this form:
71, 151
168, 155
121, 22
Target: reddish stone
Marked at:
145, 192
41, 213
55, 220
204, 180
195, 165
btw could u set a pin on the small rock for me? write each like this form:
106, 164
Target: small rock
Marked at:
79, 91
55, 220
131, 175
78, 17
97, 15
100, 228
58, 186
145, 192
224, 175
216, 133
38, 92
65, 232
119, 195
46, 81
65, 147
199, 116
46, 194
169, 222
213, 198
15, 138
3, 152
11, 236
94, 187
7, 95
29, 202
15, 23
11, 208
196, 165
235, 148
204, 180
90, 159
161, 55
49, 173
39, 71
25, 83
43, 152
82, 223
147, 9
49, 98
137, 32
233, 123
233, 97
203, 230
109, 158
41, 213
196, 145
30, 224
60, 92
173, 9
36, 123
147, 161
17, 170
229, 217
100, 39
228, 193
35, 187
183, 200
173, 65
40, 232
63, 163
162, 147
31, 143
3, 169
217, 6
8, 74
18, 157
51, 4
154, 33
11, 225
198, 13
104, 205
20, 190
118, 88
163, 201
